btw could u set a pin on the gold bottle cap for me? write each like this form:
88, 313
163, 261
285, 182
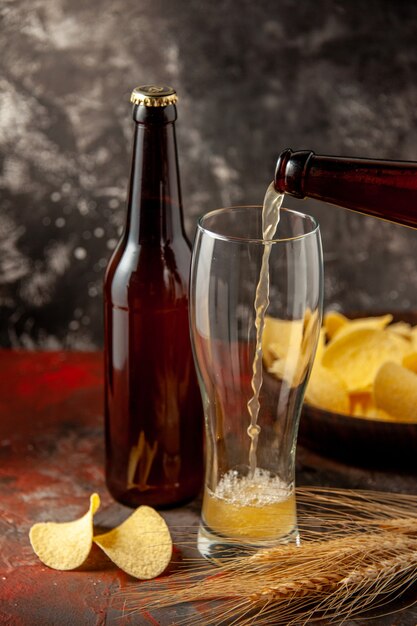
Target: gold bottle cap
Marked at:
153, 96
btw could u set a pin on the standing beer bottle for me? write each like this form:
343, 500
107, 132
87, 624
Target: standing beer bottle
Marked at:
153, 411
385, 189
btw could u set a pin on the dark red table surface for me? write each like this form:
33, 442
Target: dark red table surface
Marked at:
51, 460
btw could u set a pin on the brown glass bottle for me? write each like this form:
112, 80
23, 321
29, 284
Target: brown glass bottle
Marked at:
384, 189
153, 411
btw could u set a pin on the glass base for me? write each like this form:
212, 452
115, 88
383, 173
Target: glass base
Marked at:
216, 548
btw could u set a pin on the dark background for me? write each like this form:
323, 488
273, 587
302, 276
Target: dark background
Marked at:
338, 77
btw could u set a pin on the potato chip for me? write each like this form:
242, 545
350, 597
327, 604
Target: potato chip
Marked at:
311, 334
320, 348
361, 403
356, 356
290, 352
333, 321
65, 545
402, 328
344, 370
372, 323
410, 361
141, 546
326, 390
279, 337
395, 391
319, 352
375, 413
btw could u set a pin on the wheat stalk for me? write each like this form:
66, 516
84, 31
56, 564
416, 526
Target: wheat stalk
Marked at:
361, 552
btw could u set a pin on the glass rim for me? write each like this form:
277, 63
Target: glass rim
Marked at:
275, 240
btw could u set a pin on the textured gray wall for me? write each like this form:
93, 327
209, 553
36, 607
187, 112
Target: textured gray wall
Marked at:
338, 77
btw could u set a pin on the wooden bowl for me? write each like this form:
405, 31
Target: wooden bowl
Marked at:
360, 441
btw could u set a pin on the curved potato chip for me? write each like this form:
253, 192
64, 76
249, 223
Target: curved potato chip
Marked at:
333, 321
141, 546
379, 414
65, 545
372, 323
395, 391
402, 328
356, 357
410, 361
361, 403
287, 346
292, 368
320, 349
279, 336
311, 333
326, 391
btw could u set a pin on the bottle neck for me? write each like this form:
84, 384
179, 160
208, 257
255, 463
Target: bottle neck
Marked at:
384, 189
154, 213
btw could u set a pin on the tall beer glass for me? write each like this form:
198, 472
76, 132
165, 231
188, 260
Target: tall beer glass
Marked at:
249, 495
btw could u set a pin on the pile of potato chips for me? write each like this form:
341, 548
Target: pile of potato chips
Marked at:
366, 367
141, 546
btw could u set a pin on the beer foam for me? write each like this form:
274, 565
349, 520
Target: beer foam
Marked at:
261, 489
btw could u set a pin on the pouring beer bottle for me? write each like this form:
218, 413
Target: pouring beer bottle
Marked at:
384, 189
153, 411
